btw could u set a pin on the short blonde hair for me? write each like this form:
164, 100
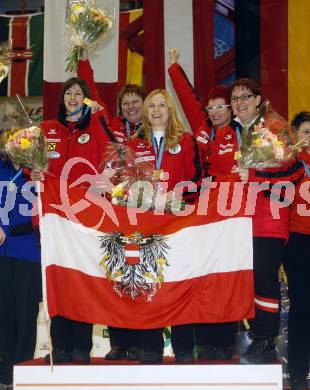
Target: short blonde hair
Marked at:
175, 129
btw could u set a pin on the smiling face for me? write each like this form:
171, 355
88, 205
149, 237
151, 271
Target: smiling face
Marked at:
132, 107
73, 99
303, 133
244, 104
158, 112
219, 113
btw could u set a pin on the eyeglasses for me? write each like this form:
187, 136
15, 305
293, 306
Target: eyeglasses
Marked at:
219, 107
243, 98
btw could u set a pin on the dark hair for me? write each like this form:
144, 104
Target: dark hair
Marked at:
130, 89
220, 91
247, 83
299, 119
62, 112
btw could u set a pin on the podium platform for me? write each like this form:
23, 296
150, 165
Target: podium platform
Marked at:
100, 374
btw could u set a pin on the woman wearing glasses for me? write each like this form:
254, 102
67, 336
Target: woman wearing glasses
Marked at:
269, 234
217, 138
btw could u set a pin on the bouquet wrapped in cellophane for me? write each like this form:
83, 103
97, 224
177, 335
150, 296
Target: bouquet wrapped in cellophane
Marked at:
5, 61
27, 147
267, 143
87, 24
22, 141
132, 183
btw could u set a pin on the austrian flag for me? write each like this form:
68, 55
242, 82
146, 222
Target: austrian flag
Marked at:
163, 270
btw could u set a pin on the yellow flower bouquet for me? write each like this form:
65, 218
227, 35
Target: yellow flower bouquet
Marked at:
267, 144
86, 24
27, 147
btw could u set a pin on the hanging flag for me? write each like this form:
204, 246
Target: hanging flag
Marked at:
144, 272
25, 35
270, 55
131, 48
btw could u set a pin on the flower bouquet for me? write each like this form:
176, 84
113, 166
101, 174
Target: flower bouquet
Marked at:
267, 144
86, 24
4, 62
27, 147
132, 183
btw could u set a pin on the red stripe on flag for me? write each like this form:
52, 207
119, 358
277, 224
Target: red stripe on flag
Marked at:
204, 62
213, 298
154, 52
90, 216
274, 53
19, 66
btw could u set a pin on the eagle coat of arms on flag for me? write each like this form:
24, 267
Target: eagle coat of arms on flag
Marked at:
134, 263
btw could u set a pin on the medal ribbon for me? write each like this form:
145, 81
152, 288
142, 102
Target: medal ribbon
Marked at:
159, 150
307, 170
128, 129
87, 108
17, 174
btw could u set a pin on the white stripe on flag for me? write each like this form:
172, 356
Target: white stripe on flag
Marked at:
224, 246
56, 45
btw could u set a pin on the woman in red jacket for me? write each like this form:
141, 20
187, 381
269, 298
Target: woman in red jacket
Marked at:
174, 154
212, 125
269, 233
298, 265
217, 139
76, 133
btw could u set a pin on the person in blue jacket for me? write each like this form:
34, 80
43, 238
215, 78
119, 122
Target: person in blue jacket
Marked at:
20, 271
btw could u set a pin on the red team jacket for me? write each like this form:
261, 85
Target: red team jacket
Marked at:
182, 163
220, 152
62, 143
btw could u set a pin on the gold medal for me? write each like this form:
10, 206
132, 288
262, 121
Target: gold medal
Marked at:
237, 155
158, 173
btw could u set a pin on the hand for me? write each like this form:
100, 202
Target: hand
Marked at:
37, 175
173, 56
2, 236
243, 173
84, 54
95, 107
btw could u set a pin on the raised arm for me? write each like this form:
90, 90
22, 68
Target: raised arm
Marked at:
191, 103
86, 73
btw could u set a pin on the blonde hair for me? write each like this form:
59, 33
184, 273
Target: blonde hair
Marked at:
175, 129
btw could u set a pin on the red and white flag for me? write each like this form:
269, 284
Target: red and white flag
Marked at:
164, 270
